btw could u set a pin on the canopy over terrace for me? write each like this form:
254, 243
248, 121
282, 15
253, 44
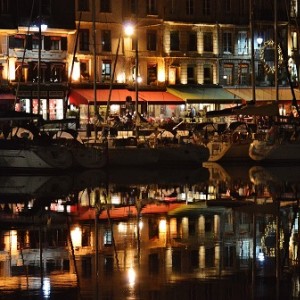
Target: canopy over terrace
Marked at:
265, 94
119, 96
203, 94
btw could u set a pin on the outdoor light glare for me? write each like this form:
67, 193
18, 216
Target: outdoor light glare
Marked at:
259, 40
129, 29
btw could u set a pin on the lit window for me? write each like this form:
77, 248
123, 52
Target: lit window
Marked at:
227, 43
242, 43
106, 70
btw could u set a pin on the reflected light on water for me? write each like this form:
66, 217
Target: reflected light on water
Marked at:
131, 275
46, 288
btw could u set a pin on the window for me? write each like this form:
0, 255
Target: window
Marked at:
242, 43
17, 41
294, 8
151, 40
191, 74
106, 70
55, 43
84, 69
152, 7
243, 7
105, 6
133, 6
35, 42
56, 73
46, 7
294, 40
228, 74
208, 42
227, 43
206, 7
4, 6
207, 72
106, 40
152, 74
84, 40
83, 5
108, 237
192, 46
174, 41
228, 6
189, 7
243, 74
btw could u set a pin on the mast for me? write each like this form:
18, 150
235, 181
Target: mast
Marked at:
136, 72
94, 57
251, 9
276, 51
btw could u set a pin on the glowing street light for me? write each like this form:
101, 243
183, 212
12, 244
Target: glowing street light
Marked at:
129, 30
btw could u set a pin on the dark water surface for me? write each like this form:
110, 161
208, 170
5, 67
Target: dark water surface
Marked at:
209, 233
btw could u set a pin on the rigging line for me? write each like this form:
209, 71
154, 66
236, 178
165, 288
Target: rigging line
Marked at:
24, 51
73, 60
294, 100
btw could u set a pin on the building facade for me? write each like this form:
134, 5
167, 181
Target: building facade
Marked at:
205, 43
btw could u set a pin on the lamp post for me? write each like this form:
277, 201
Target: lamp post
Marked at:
129, 31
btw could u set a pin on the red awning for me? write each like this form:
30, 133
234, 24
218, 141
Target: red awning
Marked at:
118, 96
7, 96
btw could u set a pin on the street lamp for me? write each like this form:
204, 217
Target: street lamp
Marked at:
129, 31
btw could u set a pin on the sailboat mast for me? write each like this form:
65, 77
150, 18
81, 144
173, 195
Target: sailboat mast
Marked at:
251, 10
94, 57
276, 50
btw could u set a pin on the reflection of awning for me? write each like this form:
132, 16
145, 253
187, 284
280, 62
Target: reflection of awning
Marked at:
118, 96
264, 94
200, 94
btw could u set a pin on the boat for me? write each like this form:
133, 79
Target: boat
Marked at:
129, 150
280, 144
27, 155
232, 144
23, 146
83, 155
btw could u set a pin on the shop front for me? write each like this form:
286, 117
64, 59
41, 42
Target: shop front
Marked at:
121, 101
51, 103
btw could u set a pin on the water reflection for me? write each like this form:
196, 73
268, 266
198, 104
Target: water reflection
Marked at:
216, 232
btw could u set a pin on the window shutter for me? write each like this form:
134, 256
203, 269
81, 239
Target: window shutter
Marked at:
64, 44
29, 42
11, 42
47, 43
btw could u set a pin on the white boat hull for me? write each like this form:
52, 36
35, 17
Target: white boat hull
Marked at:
224, 151
177, 154
284, 152
36, 158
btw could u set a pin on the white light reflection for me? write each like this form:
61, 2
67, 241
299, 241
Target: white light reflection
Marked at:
131, 276
46, 288
261, 256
